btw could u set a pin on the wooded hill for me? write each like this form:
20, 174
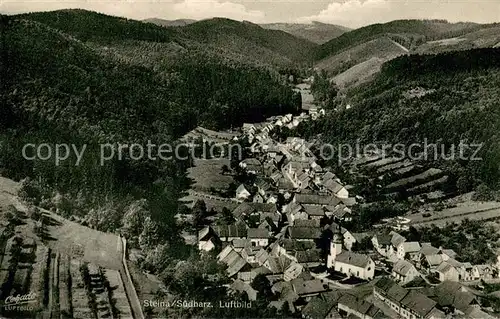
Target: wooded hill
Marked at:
61, 84
445, 98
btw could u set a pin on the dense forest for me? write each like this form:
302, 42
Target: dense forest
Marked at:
58, 89
406, 32
457, 101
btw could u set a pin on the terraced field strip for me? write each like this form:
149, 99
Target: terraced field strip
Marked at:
54, 287
431, 172
119, 296
65, 287
37, 282
79, 298
459, 214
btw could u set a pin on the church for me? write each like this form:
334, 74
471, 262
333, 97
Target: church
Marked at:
347, 262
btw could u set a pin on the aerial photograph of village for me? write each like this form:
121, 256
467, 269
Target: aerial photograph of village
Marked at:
245, 159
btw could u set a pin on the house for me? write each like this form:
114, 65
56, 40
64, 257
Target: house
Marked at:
430, 263
404, 272
315, 223
446, 271
349, 263
249, 253
228, 233
235, 263
335, 188
293, 271
319, 200
240, 244
294, 211
426, 249
252, 165
349, 305
318, 308
314, 211
240, 286
382, 243
258, 236
408, 250
308, 258
407, 303
242, 193
348, 238
207, 239
308, 288
396, 240
303, 233
482, 272
454, 297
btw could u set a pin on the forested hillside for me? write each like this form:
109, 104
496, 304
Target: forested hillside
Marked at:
445, 98
233, 41
409, 33
316, 32
58, 88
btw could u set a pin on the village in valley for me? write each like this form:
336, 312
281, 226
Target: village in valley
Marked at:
276, 212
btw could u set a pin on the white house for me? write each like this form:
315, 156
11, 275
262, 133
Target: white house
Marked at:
447, 271
258, 236
404, 271
349, 263
410, 248
242, 193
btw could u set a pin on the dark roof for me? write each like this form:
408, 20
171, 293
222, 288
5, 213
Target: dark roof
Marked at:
317, 308
384, 239
418, 303
315, 223
316, 199
354, 259
314, 210
402, 267
307, 256
396, 292
292, 244
454, 294
258, 233
306, 287
304, 232
248, 208
384, 284
360, 305
235, 230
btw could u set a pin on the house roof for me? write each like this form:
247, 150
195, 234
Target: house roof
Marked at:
235, 230
396, 292
434, 260
204, 233
449, 252
317, 308
304, 232
241, 243
314, 210
396, 239
384, 284
384, 239
232, 259
248, 208
428, 249
333, 186
278, 265
315, 223
294, 245
307, 287
418, 303
261, 256
258, 233
308, 256
355, 259
454, 294
410, 246
402, 267
316, 199
359, 305
445, 267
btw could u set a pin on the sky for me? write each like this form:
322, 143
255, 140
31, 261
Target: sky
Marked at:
349, 13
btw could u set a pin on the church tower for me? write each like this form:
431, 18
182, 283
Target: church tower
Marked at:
335, 247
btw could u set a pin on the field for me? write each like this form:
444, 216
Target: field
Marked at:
469, 209
207, 175
52, 267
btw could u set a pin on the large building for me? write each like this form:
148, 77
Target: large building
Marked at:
349, 263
